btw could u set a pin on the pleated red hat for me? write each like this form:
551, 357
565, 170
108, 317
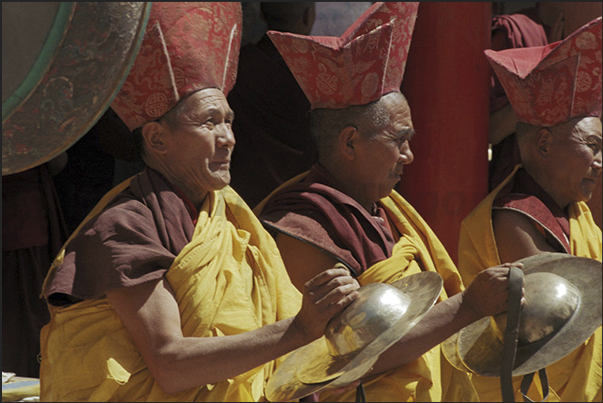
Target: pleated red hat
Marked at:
187, 47
552, 84
361, 66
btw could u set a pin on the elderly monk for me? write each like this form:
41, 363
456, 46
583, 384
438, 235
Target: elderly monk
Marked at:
345, 209
171, 289
555, 90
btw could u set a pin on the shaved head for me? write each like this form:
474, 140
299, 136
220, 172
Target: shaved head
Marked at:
371, 118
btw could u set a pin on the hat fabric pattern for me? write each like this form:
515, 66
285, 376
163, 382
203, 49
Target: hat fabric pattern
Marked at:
548, 85
361, 66
187, 47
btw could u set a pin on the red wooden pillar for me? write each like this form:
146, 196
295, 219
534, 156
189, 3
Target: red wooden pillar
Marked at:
447, 86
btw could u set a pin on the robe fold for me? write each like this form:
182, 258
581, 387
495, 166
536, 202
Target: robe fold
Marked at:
576, 377
228, 279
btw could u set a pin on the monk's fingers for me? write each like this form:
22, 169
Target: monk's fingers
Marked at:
335, 284
338, 292
497, 277
338, 299
488, 293
324, 300
339, 270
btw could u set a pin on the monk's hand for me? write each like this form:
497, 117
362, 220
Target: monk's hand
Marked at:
325, 296
488, 293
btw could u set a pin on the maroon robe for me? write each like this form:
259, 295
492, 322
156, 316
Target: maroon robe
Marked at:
317, 212
525, 196
133, 240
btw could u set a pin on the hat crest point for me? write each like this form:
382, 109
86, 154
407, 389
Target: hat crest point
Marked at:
369, 58
551, 84
200, 50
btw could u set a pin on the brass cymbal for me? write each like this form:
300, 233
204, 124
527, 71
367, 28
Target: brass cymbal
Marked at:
353, 340
563, 309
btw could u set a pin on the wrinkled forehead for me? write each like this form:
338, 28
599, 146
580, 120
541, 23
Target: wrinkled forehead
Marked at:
208, 99
397, 106
585, 127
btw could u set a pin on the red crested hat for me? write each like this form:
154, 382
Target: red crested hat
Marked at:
187, 47
552, 84
359, 67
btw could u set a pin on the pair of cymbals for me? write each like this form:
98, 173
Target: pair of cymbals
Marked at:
562, 310
353, 340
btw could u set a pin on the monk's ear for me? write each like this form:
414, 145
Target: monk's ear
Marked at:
154, 136
347, 140
544, 138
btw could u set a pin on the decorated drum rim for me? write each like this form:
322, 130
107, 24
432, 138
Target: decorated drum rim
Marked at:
42, 126
43, 61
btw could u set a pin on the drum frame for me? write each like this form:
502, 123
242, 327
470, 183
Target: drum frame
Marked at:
73, 81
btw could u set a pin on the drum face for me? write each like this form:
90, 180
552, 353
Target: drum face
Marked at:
58, 79
25, 27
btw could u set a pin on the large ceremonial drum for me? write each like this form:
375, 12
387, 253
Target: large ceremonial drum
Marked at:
62, 65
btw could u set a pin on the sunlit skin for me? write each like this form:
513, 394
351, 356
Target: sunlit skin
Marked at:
195, 155
566, 164
573, 162
368, 166
374, 164
192, 146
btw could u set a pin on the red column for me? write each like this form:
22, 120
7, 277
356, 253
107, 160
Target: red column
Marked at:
447, 86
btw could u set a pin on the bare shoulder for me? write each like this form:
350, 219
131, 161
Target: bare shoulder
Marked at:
517, 236
302, 260
510, 221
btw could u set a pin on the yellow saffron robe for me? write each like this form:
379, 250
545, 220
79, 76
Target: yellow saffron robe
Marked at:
228, 280
430, 377
576, 377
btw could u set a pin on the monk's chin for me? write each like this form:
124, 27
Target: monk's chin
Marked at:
222, 185
584, 197
221, 182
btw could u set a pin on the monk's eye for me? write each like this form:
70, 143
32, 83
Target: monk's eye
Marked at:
595, 146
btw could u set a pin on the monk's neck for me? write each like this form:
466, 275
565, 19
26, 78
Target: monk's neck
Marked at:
542, 179
347, 183
190, 190
195, 197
